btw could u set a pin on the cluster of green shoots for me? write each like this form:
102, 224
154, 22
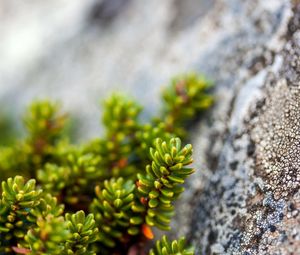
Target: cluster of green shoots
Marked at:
104, 196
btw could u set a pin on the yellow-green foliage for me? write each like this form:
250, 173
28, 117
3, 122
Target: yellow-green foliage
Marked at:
104, 196
165, 247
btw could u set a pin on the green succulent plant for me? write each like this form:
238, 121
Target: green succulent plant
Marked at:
165, 247
160, 185
106, 195
83, 232
112, 210
184, 99
17, 201
47, 237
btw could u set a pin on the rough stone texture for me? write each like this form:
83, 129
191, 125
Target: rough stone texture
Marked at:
245, 198
249, 202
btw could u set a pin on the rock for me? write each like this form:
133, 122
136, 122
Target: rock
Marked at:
249, 199
244, 198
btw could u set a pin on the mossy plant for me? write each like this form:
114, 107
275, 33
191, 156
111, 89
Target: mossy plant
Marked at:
106, 195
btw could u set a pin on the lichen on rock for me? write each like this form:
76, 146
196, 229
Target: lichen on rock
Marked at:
277, 138
249, 202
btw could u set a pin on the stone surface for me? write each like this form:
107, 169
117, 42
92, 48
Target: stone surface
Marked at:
248, 202
244, 198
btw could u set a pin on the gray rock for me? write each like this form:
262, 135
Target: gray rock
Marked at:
249, 201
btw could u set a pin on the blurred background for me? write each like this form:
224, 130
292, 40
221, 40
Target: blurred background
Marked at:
79, 52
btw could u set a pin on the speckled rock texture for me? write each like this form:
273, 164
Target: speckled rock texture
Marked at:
248, 200
244, 198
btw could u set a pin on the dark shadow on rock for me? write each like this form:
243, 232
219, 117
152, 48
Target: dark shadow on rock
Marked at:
103, 13
188, 12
